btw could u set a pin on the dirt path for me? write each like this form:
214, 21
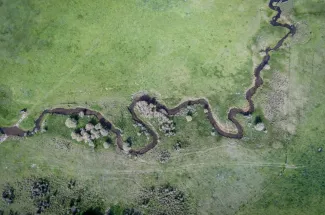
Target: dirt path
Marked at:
237, 134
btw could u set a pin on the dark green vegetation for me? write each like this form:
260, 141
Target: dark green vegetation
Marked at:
39, 195
278, 172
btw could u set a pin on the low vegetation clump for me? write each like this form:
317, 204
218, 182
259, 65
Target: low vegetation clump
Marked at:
260, 127
141, 129
181, 144
164, 156
40, 193
119, 210
164, 199
166, 125
131, 211
106, 145
89, 133
189, 110
40, 188
8, 194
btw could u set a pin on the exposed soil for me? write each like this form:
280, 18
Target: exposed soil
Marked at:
237, 134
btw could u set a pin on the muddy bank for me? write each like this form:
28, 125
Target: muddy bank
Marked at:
237, 134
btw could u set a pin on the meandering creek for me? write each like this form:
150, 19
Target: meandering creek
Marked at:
237, 134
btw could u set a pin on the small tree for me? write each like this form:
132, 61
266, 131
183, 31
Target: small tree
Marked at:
91, 143
97, 135
89, 126
81, 114
86, 137
79, 138
71, 123
98, 126
103, 132
73, 135
106, 145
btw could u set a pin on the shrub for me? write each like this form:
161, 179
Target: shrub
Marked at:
71, 123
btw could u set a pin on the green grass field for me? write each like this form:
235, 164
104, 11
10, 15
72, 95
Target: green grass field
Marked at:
97, 54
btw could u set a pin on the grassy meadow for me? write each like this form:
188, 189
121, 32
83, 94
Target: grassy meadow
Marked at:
97, 54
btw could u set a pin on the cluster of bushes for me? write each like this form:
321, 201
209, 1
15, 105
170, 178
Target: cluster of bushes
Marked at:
89, 133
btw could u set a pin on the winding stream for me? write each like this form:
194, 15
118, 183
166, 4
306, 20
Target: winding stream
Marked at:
238, 134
